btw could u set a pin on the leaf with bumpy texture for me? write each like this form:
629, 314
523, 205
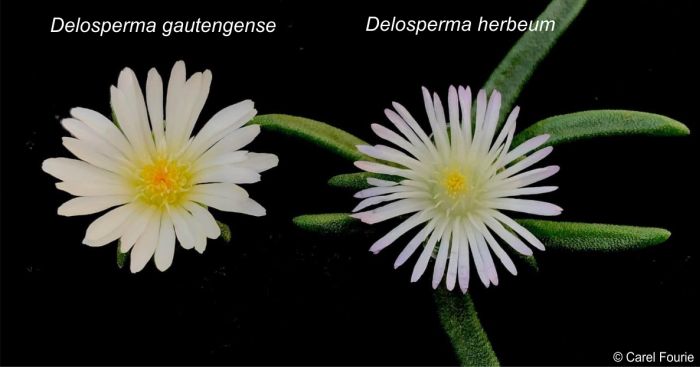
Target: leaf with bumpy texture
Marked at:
358, 180
461, 323
590, 124
225, 231
329, 223
326, 136
520, 63
594, 237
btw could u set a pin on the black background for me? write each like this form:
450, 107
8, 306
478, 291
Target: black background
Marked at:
276, 295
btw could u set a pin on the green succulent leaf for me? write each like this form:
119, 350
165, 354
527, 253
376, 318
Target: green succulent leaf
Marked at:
519, 64
528, 261
590, 124
121, 256
358, 180
225, 231
594, 237
328, 223
326, 136
461, 323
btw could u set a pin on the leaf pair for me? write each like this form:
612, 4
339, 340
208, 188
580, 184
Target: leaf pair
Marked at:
567, 236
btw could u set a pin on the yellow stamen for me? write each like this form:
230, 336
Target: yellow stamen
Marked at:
164, 182
455, 183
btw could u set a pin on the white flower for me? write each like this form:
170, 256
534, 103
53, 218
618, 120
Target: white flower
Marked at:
160, 178
456, 183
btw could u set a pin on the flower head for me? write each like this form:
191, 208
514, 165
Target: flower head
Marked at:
158, 178
455, 184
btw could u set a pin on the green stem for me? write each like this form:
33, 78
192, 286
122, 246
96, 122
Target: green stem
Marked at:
461, 323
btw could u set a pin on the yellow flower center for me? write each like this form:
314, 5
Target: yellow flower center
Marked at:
456, 190
164, 182
455, 183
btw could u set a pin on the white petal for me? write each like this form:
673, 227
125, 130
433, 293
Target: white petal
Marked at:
106, 224
458, 236
434, 124
379, 182
200, 239
104, 128
406, 116
385, 153
507, 127
396, 139
417, 146
67, 169
399, 230
527, 162
154, 99
395, 196
227, 190
182, 229
481, 269
441, 133
486, 258
199, 99
497, 249
480, 113
95, 140
174, 118
384, 169
129, 122
145, 245
465, 103
424, 258
129, 84
463, 259
490, 120
235, 140
525, 206
441, 259
382, 190
165, 251
205, 220
414, 243
85, 152
83, 188
528, 177
136, 226
259, 162
114, 234
526, 147
391, 210
522, 231
456, 134
502, 151
222, 123
243, 205
179, 131
91, 204
223, 159
228, 173
520, 191
510, 239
